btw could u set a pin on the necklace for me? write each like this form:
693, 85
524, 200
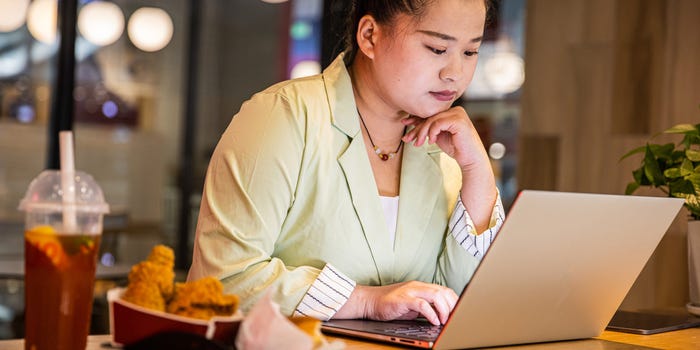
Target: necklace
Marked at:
383, 156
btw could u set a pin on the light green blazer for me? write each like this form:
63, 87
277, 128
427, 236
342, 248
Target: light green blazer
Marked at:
289, 189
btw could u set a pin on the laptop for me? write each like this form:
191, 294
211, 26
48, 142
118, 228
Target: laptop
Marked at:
558, 270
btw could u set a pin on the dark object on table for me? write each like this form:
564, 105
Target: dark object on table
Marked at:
131, 324
177, 341
651, 322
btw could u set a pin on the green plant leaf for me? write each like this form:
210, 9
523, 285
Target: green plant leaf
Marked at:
682, 187
693, 155
677, 156
681, 129
691, 137
672, 168
634, 151
640, 178
672, 173
652, 170
695, 179
631, 187
664, 151
686, 167
692, 202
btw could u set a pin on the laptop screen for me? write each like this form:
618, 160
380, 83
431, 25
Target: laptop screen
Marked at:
558, 269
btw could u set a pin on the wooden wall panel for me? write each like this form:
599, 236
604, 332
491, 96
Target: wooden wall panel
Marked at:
586, 141
681, 87
602, 77
540, 163
638, 63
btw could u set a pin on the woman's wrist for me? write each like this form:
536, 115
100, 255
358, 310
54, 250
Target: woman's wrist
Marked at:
358, 304
479, 194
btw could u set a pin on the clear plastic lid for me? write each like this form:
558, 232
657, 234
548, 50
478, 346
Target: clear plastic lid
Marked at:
45, 194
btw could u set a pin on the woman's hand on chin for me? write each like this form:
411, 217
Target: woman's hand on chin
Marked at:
453, 132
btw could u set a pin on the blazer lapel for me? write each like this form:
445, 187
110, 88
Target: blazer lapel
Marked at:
421, 186
356, 168
365, 200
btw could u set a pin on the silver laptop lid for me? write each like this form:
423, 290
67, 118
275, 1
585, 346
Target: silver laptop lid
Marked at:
559, 268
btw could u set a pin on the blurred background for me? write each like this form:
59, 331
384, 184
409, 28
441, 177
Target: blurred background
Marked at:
562, 90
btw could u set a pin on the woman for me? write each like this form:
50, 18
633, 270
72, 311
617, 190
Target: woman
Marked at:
360, 192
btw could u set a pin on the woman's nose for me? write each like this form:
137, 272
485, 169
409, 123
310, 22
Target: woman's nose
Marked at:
453, 70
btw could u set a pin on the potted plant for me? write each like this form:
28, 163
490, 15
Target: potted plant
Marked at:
675, 170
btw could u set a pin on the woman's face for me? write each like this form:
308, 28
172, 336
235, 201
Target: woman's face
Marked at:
422, 66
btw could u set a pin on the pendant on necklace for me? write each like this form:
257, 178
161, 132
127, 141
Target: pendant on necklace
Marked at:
383, 156
377, 150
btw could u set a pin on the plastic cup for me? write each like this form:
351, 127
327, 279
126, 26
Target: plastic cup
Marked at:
60, 259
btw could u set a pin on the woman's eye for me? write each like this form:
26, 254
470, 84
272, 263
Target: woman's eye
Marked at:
436, 51
471, 53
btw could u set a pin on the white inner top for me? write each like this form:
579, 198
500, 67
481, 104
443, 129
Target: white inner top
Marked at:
391, 214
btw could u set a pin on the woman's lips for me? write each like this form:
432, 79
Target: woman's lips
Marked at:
443, 95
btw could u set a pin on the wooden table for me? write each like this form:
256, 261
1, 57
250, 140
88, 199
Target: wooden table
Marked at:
680, 340
686, 339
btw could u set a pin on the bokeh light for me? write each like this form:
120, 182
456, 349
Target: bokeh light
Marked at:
25, 113
110, 109
107, 259
101, 22
150, 28
41, 20
505, 72
497, 150
305, 69
13, 13
13, 62
300, 30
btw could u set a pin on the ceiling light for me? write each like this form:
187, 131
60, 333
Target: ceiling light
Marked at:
12, 14
41, 20
150, 28
101, 22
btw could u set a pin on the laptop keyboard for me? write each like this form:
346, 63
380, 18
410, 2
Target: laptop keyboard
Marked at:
424, 332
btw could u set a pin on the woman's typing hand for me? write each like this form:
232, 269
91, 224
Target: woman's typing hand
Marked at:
400, 301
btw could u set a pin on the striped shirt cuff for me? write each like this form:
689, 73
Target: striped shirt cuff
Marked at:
326, 295
463, 230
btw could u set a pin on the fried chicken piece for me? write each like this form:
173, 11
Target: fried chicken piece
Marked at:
151, 285
160, 276
146, 295
202, 299
151, 282
158, 269
162, 255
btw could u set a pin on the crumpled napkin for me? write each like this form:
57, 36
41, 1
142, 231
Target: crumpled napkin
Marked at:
264, 327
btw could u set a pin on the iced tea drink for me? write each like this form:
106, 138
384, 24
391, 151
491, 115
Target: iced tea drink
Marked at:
59, 283
63, 225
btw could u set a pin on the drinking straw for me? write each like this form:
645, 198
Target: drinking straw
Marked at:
68, 180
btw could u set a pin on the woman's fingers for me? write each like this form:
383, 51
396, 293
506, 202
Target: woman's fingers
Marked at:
423, 307
434, 302
452, 131
418, 134
411, 120
409, 300
429, 129
442, 301
450, 299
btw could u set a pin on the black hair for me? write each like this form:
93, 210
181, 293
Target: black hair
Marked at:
384, 12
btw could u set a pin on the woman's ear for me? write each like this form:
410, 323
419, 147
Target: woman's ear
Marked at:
367, 35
